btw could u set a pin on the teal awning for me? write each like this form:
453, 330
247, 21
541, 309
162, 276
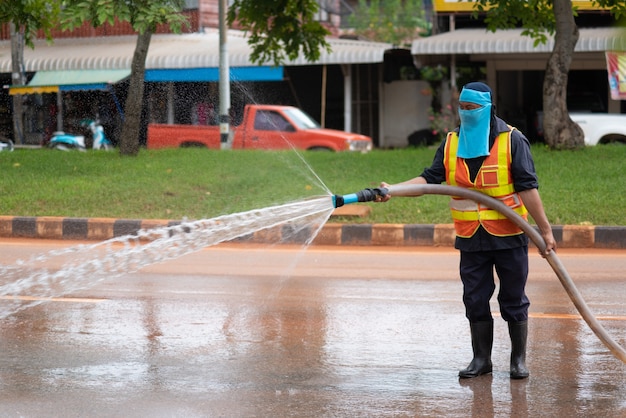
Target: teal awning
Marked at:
70, 80
252, 73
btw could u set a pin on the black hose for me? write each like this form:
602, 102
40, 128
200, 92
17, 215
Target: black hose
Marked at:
535, 237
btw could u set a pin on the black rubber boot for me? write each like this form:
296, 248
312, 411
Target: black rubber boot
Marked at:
482, 341
519, 334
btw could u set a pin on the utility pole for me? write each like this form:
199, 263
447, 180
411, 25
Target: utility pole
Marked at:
18, 78
224, 83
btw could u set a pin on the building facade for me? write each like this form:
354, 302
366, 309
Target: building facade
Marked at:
342, 90
361, 86
514, 66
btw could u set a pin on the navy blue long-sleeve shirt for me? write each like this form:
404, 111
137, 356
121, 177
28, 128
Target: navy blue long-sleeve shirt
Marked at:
524, 178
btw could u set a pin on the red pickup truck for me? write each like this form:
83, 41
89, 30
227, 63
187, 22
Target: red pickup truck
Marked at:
263, 127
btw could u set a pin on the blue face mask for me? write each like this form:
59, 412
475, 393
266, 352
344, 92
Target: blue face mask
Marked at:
475, 125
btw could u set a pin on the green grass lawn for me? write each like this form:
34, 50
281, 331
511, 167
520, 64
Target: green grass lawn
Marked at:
578, 187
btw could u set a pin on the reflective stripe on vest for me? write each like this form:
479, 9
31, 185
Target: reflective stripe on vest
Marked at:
493, 179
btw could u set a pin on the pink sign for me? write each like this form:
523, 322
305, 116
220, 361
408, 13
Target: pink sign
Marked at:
616, 68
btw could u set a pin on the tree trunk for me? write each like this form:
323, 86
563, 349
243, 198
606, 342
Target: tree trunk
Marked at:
560, 131
131, 128
18, 78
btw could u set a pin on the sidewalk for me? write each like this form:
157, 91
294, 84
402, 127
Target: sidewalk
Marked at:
100, 229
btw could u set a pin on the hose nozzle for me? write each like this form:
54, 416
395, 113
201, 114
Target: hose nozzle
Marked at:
365, 195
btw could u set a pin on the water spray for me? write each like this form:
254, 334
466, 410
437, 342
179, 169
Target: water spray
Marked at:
82, 266
413, 190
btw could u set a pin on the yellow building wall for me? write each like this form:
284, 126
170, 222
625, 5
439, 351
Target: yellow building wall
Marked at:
452, 6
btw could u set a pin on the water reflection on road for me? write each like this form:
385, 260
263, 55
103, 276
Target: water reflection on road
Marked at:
227, 333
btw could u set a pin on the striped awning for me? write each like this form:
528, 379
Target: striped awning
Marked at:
511, 41
167, 51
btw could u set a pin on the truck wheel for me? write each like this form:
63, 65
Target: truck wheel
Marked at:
613, 138
320, 149
192, 145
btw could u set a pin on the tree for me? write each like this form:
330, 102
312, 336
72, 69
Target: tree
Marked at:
280, 29
25, 19
540, 18
144, 16
30, 16
397, 22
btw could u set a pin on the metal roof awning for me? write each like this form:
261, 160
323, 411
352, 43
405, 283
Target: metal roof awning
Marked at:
167, 51
511, 41
70, 80
201, 50
212, 74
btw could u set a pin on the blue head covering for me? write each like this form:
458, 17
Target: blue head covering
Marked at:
475, 125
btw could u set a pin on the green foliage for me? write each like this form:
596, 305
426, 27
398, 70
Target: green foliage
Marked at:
143, 15
280, 29
393, 21
442, 122
433, 74
616, 7
535, 16
29, 16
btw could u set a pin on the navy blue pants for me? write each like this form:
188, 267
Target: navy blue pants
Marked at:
477, 275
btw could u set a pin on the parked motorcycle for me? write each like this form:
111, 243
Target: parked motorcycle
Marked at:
64, 141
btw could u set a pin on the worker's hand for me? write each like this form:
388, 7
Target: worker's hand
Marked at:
550, 243
387, 196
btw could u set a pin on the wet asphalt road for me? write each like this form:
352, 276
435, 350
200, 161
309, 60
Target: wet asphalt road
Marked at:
237, 331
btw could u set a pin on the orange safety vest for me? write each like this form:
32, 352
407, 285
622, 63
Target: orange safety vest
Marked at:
493, 179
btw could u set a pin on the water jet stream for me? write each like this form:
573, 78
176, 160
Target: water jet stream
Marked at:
84, 265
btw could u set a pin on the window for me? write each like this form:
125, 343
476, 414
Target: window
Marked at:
268, 120
190, 4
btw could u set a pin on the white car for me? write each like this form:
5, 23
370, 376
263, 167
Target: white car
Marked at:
589, 111
601, 128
